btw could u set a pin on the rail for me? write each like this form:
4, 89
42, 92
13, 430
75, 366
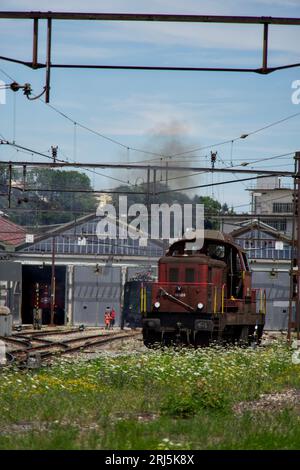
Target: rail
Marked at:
52, 348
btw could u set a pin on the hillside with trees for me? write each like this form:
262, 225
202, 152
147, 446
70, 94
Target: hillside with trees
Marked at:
59, 196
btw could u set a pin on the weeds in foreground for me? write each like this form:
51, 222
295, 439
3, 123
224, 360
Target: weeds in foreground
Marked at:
154, 400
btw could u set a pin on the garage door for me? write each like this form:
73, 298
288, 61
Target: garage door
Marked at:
93, 291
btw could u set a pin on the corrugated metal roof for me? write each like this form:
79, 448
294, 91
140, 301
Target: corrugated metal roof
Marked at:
10, 233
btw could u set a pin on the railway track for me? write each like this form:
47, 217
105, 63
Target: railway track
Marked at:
50, 348
53, 332
27, 339
14, 340
50, 343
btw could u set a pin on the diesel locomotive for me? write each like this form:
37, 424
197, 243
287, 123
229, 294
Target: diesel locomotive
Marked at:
203, 295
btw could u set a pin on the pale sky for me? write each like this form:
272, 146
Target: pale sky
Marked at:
152, 110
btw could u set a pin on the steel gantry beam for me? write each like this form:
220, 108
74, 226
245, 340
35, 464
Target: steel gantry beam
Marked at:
131, 166
265, 21
176, 18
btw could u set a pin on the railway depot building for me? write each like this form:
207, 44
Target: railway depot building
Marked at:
89, 272
267, 240
269, 253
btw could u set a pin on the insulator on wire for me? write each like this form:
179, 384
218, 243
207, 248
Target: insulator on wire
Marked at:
14, 86
54, 152
27, 89
213, 158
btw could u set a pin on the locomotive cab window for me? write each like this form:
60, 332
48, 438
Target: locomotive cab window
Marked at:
215, 251
173, 275
189, 275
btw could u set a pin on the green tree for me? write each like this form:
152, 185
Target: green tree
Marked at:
211, 208
52, 206
226, 211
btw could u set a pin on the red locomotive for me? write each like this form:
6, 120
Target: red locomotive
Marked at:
204, 294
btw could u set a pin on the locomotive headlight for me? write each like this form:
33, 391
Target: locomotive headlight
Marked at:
157, 304
200, 306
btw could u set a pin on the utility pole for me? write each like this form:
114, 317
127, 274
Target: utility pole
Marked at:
297, 160
52, 307
48, 59
167, 173
154, 184
148, 190
295, 258
9, 185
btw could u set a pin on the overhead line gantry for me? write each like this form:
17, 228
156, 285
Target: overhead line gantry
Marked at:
49, 16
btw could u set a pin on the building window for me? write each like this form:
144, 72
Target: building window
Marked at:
280, 225
281, 207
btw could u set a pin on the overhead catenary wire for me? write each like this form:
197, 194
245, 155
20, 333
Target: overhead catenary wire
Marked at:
244, 163
207, 214
70, 160
212, 184
35, 152
97, 133
93, 131
159, 155
94, 172
266, 174
243, 136
62, 163
221, 216
231, 141
32, 152
72, 190
269, 200
7, 75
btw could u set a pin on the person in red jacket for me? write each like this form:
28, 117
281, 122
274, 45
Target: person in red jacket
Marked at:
112, 317
107, 318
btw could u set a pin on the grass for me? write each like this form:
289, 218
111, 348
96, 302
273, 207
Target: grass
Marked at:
154, 400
